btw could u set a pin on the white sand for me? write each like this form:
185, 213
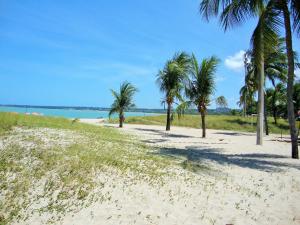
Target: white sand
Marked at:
235, 181
92, 121
248, 184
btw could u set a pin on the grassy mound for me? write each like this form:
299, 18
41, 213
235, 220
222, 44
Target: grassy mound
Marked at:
52, 166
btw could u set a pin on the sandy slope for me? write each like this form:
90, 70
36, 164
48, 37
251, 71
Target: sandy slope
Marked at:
237, 182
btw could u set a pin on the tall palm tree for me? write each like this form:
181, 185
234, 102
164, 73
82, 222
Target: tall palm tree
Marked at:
238, 11
235, 12
201, 86
274, 66
123, 101
171, 81
290, 10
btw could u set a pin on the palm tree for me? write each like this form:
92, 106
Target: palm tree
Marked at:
274, 63
236, 12
291, 9
275, 98
264, 43
123, 101
221, 102
247, 100
201, 86
171, 81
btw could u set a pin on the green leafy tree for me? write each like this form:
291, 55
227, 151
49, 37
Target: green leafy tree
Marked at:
123, 101
171, 81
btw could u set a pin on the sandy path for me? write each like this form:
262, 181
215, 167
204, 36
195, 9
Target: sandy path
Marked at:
237, 182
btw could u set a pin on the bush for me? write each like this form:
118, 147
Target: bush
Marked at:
7, 121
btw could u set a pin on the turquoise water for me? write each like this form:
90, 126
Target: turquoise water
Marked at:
69, 113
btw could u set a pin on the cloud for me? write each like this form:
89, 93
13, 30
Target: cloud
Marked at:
235, 62
220, 78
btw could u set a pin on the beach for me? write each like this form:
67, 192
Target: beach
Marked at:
61, 171
230, 181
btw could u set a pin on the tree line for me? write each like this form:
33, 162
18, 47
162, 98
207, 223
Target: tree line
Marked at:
270, 57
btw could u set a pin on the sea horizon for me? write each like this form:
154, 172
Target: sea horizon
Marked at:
70, 112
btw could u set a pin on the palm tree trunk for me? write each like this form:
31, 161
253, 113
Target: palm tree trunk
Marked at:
290, 82
245, 108
274, 107
260, 119
203, 125
275, 116
168, 126
266, 120
121, 120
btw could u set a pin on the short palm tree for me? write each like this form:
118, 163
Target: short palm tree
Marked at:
201, 86
171, 81
275, 97
246, 98
221, 102
123, 101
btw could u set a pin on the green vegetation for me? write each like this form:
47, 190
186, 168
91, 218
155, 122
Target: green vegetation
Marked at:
270, 15
51, 164
171, 81
219, 122
7, 121
201, 86
123, 101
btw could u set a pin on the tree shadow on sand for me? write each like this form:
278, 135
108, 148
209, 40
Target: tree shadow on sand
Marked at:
263, 162
164, 133
229, 133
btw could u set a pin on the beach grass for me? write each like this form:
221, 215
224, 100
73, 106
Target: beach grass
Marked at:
218, 122
61, 158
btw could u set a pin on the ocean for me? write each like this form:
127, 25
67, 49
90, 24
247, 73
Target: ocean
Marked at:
69, 113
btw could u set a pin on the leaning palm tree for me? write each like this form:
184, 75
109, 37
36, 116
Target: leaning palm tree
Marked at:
236, 12
290, 11
123, 101
201, 86
171, 81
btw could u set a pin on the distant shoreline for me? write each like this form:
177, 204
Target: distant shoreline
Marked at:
93, 108
144, 110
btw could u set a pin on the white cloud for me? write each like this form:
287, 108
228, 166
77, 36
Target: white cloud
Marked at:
220, 78
235, 62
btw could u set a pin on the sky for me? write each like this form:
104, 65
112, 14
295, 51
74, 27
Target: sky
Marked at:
71, 53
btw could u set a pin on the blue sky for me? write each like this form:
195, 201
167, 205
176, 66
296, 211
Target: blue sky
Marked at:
70, 53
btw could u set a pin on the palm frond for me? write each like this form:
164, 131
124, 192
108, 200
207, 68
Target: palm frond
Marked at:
202, 84
295, 12
174, 74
